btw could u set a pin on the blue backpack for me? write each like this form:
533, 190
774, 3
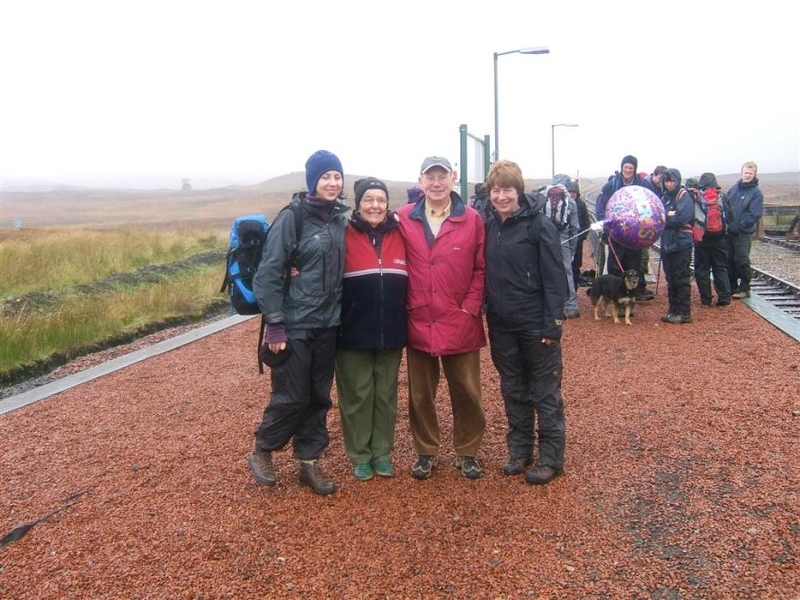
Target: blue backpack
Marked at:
247, 237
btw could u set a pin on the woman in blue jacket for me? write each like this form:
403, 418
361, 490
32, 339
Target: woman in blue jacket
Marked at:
676, 247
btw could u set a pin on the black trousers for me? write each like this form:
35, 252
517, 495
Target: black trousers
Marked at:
301, 396
739, 271
628, 258
711, 256
530, 383
679, 281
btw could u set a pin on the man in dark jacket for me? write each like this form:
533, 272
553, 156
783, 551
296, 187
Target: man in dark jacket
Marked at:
676, 247
747, 206
621, 258
584, 220
526, 289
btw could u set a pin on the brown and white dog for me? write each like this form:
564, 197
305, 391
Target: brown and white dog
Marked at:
612, 292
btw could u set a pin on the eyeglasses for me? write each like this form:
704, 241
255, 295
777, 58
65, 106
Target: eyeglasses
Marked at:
378, 201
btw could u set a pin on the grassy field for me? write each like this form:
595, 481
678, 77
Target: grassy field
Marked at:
82, 269
67, 292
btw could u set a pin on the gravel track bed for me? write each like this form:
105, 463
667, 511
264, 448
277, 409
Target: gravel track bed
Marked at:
682, 481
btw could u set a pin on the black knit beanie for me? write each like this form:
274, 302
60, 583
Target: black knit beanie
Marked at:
368, 183
629, 160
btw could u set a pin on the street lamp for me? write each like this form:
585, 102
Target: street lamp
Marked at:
532, 50
553, 141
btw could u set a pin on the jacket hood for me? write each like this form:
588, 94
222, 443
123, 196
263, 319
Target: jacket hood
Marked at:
536, 201
672, 174
708, 180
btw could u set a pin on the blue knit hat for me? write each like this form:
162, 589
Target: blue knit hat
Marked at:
317, 165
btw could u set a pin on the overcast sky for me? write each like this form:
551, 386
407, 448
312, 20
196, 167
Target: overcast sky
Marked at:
242, 91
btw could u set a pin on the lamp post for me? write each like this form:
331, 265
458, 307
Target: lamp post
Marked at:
532, 50
553, 142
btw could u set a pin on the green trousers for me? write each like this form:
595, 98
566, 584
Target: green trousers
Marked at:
366, 382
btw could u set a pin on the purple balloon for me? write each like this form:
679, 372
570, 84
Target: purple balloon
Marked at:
635, 217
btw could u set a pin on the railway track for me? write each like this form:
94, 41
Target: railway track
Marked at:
774, 299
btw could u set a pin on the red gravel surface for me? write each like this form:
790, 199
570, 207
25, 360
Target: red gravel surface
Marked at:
682, 481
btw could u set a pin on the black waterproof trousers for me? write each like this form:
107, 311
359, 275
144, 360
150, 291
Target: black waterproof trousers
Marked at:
530, 383
301, 396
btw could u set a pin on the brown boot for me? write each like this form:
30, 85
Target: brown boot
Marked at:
312, 475
260, 463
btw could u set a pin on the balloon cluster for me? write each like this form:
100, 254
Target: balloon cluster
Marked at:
635, 217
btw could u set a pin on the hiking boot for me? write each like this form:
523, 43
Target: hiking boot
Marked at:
645, 296
573, 315
469, 466
515, 465
312, 475
679, 319
363, 472
666, 318
541, 474
260, 463
383, 468
424, 466
621, 312
740, 295
723, 302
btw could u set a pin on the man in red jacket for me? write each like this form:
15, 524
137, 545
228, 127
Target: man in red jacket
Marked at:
445, 252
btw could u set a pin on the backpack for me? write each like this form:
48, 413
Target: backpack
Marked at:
715, 212
248, 237
709, 213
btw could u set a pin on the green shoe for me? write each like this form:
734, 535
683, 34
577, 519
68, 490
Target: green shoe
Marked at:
383, 468
363, 472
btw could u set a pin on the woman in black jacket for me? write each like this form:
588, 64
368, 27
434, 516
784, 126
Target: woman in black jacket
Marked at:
526, 288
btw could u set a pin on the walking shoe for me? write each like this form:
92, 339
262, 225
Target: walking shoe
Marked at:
469, 466
723, 302
312, 475
621, 312
424, 466
573, 315
679, 319
383, 468
515, 465
260, 463
740, 295
363, 472
541, 474
666, 318
645, 296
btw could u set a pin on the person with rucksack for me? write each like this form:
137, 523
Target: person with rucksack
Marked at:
747, 206
525, 293
563, 213
373, 331
584, 222
676, 247
711, 210
299, 289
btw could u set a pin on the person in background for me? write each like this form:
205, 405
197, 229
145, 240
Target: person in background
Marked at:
373, 331
413, 194
747, 207
480, 201
525, 295
299, 289
628, 258
444, 244
676, 247
563, 212
655, 183
711, 252
584, 221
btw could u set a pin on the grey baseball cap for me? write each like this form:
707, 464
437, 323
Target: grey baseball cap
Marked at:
435, 161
